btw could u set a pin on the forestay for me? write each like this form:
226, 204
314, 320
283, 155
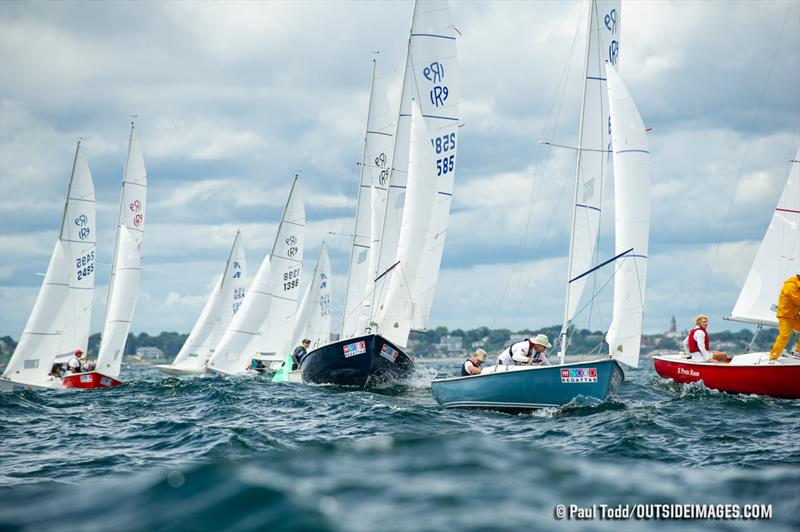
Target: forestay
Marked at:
313, 319
632, 220
370, 210
41, 338
223, 302
777, 259
271, 296
121, 307
407, 302
78, 233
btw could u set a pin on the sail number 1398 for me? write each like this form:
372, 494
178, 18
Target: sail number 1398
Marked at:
291, 279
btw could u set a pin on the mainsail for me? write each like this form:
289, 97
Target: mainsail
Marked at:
223, 302
631, 220
370, 209
78, 235
313, 319
777, 259
432, 58
263, 320
593, 162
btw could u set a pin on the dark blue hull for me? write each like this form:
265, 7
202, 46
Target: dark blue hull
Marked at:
364, 361
530, 388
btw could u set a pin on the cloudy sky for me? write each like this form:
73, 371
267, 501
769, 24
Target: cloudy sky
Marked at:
232, 98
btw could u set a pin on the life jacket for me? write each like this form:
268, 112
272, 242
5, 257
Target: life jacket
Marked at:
536, 357
464, 372
693, 347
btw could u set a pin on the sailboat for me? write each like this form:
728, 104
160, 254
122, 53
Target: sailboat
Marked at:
519, 388
409, 216
60, 319
125, 271
777, 259
263, 322
222, 304
313, 319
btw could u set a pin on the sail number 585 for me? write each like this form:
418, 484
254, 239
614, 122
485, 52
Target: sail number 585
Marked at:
444, 144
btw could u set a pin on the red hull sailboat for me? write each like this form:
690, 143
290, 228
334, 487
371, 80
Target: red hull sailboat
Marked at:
90, 379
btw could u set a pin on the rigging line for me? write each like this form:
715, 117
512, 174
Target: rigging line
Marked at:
744, 158
535, 190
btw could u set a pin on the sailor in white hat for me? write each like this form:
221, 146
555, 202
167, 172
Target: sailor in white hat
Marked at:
472, 365
528, 351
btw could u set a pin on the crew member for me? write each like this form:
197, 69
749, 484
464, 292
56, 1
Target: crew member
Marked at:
300, 352
696, 344
526, 352
472, 365
76, 363
788, 316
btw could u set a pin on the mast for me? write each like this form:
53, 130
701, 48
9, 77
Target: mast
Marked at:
565, 326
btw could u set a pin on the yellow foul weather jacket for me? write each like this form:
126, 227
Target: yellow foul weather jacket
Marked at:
789, 300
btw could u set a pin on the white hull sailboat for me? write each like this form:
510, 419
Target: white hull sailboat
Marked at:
222, 304
262, 323
60, 319
125, 272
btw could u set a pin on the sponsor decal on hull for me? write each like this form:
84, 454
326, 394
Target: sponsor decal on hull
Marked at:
579, 375
388, 353
358, 348
86, 378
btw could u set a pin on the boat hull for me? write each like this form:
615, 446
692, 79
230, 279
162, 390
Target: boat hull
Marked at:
7, 385
364, 361
174, 370
750, 374
89, 380
526, 388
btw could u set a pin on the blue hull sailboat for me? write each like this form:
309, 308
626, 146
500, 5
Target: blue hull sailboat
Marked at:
516, 388
520, 388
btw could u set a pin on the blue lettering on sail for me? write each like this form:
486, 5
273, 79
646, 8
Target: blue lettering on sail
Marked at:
435, 74
611, 25
613, 52
611, 21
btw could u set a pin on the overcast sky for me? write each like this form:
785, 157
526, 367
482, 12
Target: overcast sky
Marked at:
232, 98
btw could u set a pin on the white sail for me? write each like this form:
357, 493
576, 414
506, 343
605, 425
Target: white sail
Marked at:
594, 158
119, 312
223, 302
405, 305
264, 319
370, 210
78, 234
632, 220
313, 319
41, 338
778, 258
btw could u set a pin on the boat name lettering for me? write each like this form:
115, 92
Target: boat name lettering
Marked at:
444, 143
380, 162
388, 353
358, 348
579, 375
445, 164
690, 372
84, 265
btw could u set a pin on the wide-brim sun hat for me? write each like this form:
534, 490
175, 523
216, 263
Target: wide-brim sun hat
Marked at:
541, 339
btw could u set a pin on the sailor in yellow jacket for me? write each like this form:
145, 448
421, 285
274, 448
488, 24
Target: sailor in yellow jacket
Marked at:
788, 316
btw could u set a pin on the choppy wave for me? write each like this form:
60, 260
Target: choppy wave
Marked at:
162, 453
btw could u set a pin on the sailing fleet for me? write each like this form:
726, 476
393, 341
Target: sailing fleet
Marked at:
405, 187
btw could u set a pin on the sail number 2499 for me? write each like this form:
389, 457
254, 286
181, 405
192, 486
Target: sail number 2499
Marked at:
291, 279
444, 144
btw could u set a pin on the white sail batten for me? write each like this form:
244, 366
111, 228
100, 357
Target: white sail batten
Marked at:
407, 302
370, 209
593, 163
264, 318
223, 302
777, 259
313, 320
119, 313
631, 158
41, 338
78, 232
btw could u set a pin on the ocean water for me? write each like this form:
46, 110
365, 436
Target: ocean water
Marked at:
163, 453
